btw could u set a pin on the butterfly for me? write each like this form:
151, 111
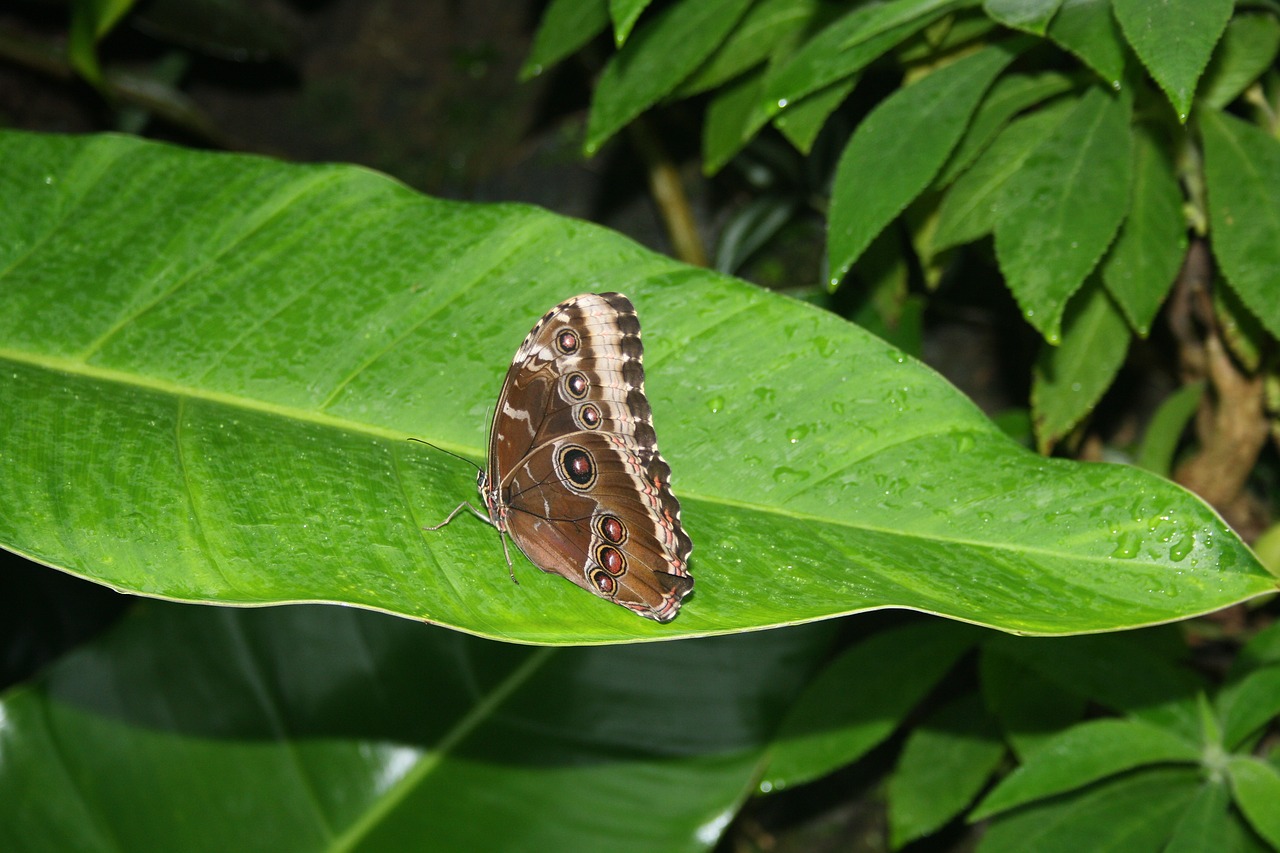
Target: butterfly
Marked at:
574, 476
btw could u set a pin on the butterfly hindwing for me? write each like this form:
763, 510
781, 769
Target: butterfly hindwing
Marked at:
574, 472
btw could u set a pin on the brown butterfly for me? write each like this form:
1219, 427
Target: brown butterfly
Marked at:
574, 475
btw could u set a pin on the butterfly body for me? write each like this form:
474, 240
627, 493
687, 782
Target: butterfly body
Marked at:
574, 476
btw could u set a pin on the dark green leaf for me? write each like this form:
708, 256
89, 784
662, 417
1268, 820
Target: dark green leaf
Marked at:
1241, 331
970, 208
1060, 211
1029, 15
945, 763
1242, 176
1132, 813
625, 13
211, 364
1088, 29
847, 46
1084, 754
1069, 379
1255, 786
1174, 39
1007, 97
1208, 824
1031, 708
327, 728
1251, 696
566, 26
767, 28
1166, 428
1247, 49
878, 176
728, 116
801, 123
1124, 673
1147, 254
656, 60
860, 698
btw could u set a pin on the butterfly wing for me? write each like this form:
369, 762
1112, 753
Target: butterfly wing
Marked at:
574, 469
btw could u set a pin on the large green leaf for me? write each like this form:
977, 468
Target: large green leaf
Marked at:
1174, 39
1084, 754
566, 26
845, 47
877, 176
324, 728
210, 364
1130, 813
1068, 380
1242, 174
1060, 211
660, 55
1147, 254
1088, 29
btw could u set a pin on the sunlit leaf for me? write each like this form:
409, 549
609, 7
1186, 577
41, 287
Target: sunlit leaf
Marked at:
210, 365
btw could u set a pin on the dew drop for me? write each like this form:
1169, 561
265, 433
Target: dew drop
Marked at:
1127, 547
1180, 549
784, 475
715, 404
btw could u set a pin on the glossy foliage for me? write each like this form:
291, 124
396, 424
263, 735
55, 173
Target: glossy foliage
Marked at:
211, 365
1102, 167
325, 728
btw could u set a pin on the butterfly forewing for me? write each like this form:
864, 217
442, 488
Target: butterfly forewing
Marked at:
574, 472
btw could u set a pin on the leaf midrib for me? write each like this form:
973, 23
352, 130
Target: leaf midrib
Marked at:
179, 392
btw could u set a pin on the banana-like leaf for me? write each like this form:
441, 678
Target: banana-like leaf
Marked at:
210, 365
325, 728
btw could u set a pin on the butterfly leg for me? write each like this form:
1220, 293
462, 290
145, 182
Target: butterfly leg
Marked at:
487, 520
510, 568
457, 509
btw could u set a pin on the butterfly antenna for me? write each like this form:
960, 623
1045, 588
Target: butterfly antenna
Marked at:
450, 452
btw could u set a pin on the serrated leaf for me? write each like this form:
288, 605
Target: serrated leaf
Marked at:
1088, 29
326, 728
802, 123
1242, 176
1031, 16
1149, 250
1069, 379
1174, 39
566, 26
845, 47
659, 56
1247, 49
831, 725
1134, 812
766, 28
210, 365
970, 208
1007, 97
1255, 786
1061, 210
945, 763
1084, 754
877, 176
